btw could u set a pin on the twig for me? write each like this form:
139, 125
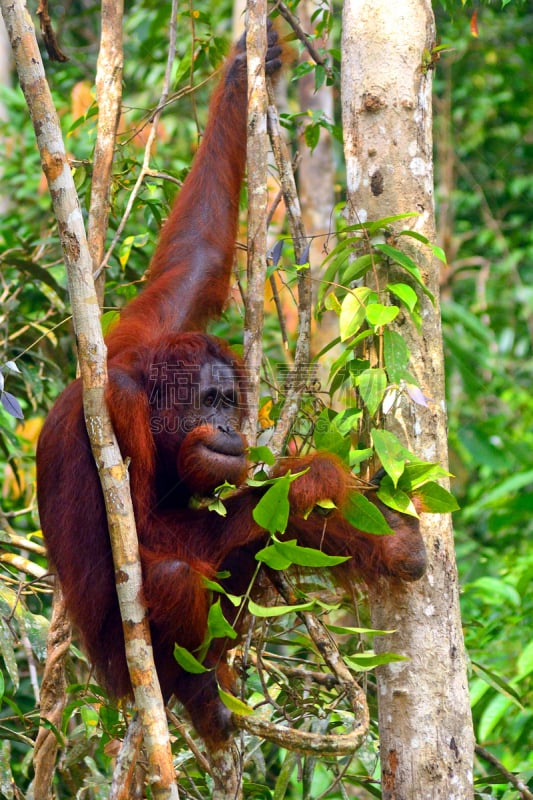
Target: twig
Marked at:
297, 381
519, 785
304, 37
109, 95
145, 168
303, 741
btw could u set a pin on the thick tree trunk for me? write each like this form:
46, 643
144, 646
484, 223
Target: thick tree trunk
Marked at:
424, 711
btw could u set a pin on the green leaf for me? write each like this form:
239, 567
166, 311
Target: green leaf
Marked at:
188, 662
361, 662
356, 269
291, 553
139, 240
312, 135
262, 455
272, 511
217, 624
353, 311
436, 499
525, 662
390, 452
328, 437
496, 709
235, 705
396, 355
8, 652
396, 499
496, 682
273, 558
91, 720
407, 263
109, 320
364, 515
277, 611
419, 472
406, 293
379, 315
345, 630
372, 384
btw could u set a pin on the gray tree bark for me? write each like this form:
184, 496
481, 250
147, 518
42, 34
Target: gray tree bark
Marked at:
424, 711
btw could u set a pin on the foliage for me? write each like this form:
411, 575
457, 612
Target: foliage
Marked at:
483, 140
484, 191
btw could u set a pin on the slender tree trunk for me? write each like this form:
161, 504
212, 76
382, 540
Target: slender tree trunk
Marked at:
424, 711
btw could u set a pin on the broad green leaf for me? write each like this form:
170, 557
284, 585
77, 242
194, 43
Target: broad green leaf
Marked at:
277, 611
273, 558
217, 507
109, 320
281, 555
328, 437
262, 455
356, 269
364, 515
307, 556
436, 499
396, 355
390, 452
417, 473
407, 263
272, 510
217, 624
353, 311
379, 315
235, 705
90, 719
396, 499
406, 293
372, 384
187, 661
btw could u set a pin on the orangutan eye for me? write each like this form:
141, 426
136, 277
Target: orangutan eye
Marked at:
210, 398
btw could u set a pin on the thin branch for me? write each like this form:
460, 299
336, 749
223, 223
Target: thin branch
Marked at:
304, 37
513, 779
302, 741
145, 167
298, 379
53, 699
109, 95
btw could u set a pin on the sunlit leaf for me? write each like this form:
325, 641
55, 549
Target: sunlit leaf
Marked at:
364, 515
235, 705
